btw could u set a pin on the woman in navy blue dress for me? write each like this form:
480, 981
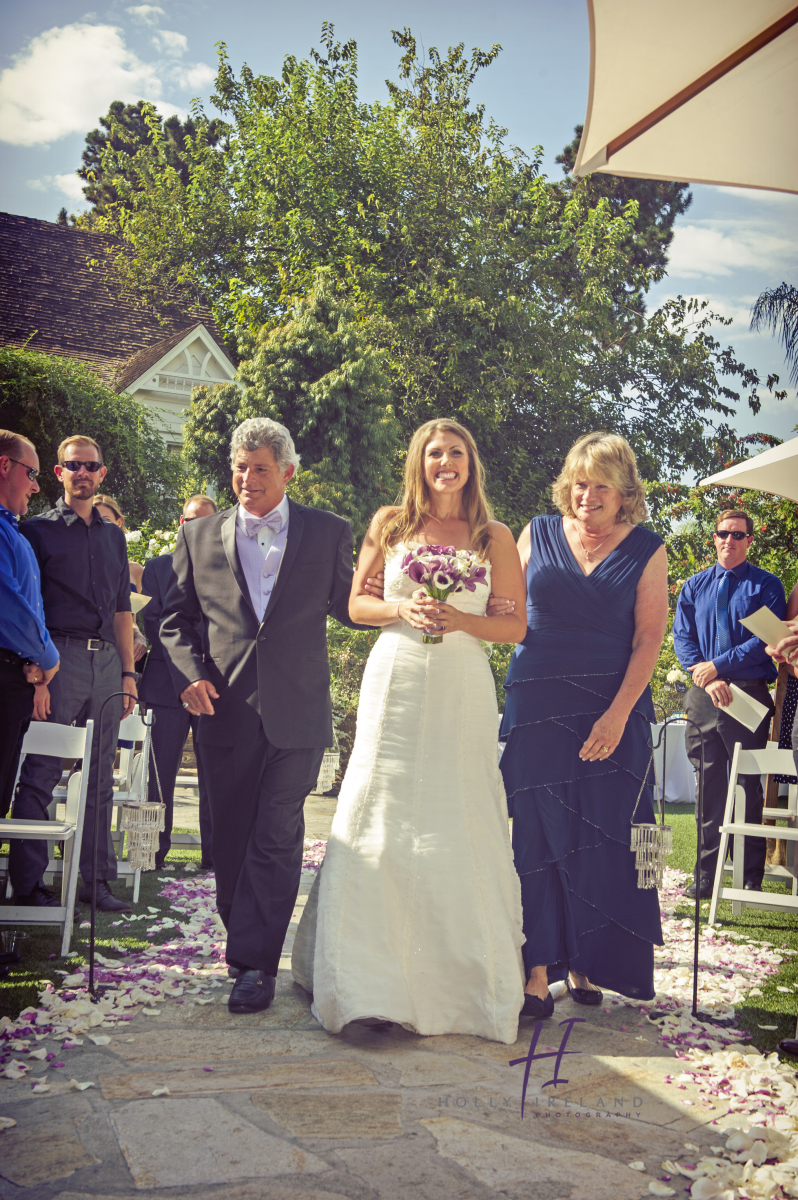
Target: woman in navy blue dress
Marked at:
577, 730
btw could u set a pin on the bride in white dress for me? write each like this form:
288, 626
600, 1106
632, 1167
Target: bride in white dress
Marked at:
419, 904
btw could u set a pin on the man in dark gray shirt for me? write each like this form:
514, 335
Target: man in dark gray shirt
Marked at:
86, 594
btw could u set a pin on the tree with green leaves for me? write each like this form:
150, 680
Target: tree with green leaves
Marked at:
126, 129
495, 297
777, 311
316, 374
48, 399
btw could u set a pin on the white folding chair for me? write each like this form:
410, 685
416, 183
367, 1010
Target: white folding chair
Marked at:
60, 741
132, 788
767, 761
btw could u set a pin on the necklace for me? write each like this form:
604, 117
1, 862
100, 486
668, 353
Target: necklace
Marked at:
595, 550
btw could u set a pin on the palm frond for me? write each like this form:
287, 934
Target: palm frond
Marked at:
776, 310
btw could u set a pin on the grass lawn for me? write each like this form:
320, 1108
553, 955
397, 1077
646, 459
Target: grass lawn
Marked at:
41, 954
779, 928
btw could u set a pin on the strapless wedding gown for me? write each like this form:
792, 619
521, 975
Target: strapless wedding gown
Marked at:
419, 905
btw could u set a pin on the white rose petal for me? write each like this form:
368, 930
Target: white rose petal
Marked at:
638, 1166
79, 1087
660, 1189
7, 1122
161, 1091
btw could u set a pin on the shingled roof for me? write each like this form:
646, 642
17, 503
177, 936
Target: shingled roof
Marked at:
53, 300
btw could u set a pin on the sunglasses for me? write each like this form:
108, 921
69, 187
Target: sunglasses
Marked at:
737, 534
75, 464
32, 474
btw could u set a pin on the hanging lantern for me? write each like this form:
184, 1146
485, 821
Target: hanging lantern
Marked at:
143, 823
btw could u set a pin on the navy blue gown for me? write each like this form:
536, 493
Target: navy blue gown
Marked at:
571, 819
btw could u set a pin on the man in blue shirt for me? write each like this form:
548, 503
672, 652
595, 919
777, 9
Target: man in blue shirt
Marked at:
711, 643
27, 654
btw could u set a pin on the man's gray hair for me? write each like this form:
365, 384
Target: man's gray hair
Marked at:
262, 431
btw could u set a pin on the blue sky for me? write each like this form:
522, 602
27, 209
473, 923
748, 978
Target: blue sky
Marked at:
62, 65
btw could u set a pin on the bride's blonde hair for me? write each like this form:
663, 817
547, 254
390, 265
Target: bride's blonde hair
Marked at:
414, 502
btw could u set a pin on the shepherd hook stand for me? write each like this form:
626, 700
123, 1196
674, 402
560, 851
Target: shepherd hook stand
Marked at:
699, 816
147, 718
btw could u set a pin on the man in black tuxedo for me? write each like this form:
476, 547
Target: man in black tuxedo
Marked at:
264, 576
157, 690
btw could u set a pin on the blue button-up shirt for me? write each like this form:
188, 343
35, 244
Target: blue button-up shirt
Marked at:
695, 634
22, 626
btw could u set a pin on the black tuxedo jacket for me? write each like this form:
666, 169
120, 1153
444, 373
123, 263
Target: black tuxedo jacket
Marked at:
157, 685
275, 672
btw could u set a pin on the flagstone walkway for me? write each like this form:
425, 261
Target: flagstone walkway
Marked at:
180, 1099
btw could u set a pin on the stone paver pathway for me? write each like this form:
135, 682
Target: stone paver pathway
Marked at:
197, 1103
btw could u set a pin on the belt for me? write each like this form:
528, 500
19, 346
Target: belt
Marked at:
10, 656
85, 643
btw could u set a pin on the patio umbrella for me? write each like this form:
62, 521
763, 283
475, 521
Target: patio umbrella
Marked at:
774, 470
701, 92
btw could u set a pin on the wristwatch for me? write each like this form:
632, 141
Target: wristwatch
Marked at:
130, 675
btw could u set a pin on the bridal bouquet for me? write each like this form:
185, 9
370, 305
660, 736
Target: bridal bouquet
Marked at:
441, 570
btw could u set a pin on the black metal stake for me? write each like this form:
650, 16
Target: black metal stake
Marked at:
699, 835
96, 838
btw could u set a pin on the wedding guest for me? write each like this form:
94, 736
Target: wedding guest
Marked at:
109, 510
27, 654
787, 651
789, 708
711, 643
172, 721
577, 727
86, 593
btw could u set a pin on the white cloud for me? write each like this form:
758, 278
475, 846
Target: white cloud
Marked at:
761, 195
69, 185
719, 247
66, 78
147, 12
170, 42
198, 76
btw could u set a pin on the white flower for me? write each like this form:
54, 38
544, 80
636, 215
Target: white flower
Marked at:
676, 676
133, 536
152, 544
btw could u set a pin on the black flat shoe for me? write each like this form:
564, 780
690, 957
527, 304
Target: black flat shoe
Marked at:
706, 889
252, 992
584, 995
537, 1008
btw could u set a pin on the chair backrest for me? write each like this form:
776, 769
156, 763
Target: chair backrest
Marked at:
132, 728
767, 761
60, 741
73, 796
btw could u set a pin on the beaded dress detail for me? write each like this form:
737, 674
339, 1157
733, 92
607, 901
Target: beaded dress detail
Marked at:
572, 819
419, 904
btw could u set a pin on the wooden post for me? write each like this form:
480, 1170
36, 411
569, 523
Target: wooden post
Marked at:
776, 847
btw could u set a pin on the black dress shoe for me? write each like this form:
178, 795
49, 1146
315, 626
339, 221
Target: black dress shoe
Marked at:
252, 992
106, 900
590, 996
788, 1046
537, 1008
40, 897
706, 889
751, 885
233, 972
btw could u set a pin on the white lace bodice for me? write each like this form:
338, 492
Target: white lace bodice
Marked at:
399, 586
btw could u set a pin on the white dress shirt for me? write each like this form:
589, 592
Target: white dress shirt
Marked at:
261, 556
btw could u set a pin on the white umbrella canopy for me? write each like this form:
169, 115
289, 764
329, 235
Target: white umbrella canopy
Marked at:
774, 470
700, 91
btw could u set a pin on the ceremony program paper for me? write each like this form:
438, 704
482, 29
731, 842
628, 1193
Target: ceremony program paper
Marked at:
766, 625
745, 709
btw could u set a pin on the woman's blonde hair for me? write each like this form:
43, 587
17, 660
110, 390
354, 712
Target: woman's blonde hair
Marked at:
610, 458
414, 502
109, 502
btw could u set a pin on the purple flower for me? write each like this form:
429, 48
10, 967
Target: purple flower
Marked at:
417, 572
443, 581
